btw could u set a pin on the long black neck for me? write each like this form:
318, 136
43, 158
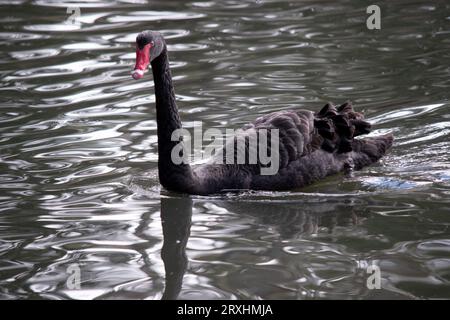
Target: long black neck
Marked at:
176, 177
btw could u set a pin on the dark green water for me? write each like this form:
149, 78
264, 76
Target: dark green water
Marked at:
78, 151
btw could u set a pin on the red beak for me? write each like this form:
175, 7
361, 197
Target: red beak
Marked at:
142, 61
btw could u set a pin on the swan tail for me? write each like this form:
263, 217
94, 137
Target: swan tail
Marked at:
369, 150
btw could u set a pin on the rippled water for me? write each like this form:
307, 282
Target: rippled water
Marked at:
78, 151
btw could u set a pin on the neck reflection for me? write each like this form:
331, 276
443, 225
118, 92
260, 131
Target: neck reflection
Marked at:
176, 214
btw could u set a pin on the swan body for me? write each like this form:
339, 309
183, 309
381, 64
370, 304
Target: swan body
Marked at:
311, 145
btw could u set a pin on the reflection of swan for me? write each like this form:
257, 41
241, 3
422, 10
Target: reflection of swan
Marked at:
294, 219
310, 147
290, 219
176, 216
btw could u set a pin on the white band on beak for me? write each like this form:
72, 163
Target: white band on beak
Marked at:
137, 74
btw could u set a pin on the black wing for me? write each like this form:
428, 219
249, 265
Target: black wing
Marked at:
300, 133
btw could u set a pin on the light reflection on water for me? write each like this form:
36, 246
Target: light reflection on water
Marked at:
78, 173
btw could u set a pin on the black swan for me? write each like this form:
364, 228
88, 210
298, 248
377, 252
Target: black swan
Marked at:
311, 145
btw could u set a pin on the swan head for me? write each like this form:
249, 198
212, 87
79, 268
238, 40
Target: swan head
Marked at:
149, 45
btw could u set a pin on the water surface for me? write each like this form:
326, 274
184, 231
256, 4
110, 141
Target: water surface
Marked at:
78, 151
